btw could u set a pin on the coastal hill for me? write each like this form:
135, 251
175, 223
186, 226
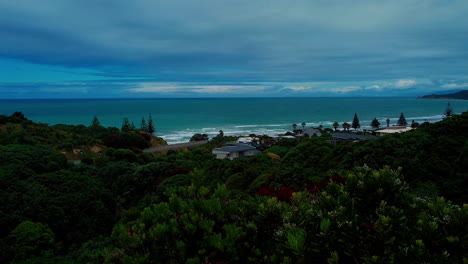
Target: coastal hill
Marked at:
461, 95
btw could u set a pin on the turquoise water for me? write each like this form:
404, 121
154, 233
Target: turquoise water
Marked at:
178, 119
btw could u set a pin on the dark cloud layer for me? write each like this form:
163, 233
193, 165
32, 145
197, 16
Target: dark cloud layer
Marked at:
242, 41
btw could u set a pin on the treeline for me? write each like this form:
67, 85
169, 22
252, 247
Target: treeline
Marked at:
303, 200
17, 129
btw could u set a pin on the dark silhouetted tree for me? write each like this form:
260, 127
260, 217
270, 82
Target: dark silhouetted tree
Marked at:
303, 125
95, 122
388, 122
448, 111
294, 126
414, 124
199, 137
402, 120
151, 128
375, 123
336, 125
144, 126
125, 125
346, 126
355, 123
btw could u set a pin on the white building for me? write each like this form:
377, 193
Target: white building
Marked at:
392, 130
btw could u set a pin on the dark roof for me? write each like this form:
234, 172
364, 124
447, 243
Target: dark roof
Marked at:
235, 147
349, 136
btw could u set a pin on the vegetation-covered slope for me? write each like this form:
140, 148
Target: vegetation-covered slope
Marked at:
310, 202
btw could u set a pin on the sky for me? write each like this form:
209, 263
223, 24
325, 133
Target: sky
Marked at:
231, 48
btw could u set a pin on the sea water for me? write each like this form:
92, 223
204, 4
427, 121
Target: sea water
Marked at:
176, 120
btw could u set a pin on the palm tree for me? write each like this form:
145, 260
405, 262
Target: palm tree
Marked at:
388, 122
336, 126
294, 126
346, 126
303, 125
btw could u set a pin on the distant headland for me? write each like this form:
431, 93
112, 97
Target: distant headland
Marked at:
461, 95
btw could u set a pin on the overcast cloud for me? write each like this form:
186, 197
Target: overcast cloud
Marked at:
97, 48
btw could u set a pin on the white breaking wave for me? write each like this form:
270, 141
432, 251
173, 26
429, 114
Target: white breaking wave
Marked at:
184, 135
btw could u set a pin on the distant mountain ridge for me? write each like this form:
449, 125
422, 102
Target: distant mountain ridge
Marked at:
461, 95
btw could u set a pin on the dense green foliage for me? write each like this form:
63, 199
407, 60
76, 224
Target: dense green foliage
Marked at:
301, 201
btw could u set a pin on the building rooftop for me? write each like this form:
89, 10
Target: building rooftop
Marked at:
234, 147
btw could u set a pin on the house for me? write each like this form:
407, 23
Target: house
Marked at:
312, 131
392, 130
235, 150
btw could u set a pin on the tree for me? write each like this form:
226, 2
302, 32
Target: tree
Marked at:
448, 111
414, 124
303, 125
294, 126
132, 126
95, 122
151, 128
402, 120
388, 122
375, 123
346, 126
355, 123
336, 125
144, 126
221, 133
31, 238
125, 125
199, 137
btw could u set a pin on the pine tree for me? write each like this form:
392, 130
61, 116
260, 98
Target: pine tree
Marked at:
402, 120
151, 128
375, 123
126, 125
95, 122
448, 111
144, 126
132, 126
355, 123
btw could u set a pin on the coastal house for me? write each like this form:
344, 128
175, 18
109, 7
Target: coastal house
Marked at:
312, 131
235, 150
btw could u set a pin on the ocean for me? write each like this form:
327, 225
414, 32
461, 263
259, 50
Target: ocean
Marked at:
176, 120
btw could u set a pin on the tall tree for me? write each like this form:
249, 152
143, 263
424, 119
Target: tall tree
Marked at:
336, 125
388, 122
95, 122
402, 120
448, 111
151, 128
132, 126
375, 123
125, 125
294, 126
355, 123
144, 126
303, 125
